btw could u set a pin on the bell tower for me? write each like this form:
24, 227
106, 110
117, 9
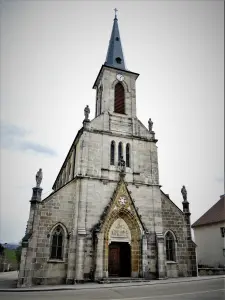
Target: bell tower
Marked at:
115, 84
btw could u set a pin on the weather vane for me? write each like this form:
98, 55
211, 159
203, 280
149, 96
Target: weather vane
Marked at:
116, 10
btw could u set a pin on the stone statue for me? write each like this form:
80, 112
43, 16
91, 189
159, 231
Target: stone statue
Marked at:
122, 164
86, 113
150, 125
184, 193
39, 177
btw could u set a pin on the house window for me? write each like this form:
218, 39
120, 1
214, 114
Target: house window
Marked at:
57, 243
120, 151
119, 99
170, 246
112, 153
222, 230
128, 155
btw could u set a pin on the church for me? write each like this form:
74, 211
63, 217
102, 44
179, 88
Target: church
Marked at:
107, 216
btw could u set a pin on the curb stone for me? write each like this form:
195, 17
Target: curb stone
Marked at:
106, 286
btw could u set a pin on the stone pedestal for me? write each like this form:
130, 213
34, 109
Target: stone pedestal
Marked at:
36, 196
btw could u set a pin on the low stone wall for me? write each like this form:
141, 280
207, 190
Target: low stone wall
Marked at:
211, 271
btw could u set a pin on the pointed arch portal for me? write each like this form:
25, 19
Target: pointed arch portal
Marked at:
119, 261
119, 237
122, 255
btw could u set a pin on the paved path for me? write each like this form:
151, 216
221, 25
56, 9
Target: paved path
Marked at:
8, 283
8, 279
211, 289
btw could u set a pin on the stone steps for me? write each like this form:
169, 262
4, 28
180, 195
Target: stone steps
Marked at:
122, 280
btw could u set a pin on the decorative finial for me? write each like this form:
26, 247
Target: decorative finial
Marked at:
184, 193
39, 177
116, 10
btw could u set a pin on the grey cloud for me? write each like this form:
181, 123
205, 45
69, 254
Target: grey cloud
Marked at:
37, 148
12, 137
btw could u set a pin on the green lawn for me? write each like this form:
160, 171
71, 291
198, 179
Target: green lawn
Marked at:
10, 255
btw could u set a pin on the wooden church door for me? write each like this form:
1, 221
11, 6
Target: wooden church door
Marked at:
114, 260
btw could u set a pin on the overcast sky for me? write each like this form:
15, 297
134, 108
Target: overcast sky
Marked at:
51, 53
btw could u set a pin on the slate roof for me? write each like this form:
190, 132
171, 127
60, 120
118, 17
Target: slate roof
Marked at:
214, 215
115, 56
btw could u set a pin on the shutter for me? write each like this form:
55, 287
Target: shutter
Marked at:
119, 99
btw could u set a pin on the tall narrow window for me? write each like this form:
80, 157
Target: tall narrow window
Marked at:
170, 246
128, 155
120, 151
119, 100
100, 99
112, 153
57, 243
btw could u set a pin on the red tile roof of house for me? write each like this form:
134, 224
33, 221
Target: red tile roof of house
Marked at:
214, 215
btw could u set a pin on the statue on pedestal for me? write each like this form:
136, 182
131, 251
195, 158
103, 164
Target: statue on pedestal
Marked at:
39, 177
150, 125
86, 113
184, 193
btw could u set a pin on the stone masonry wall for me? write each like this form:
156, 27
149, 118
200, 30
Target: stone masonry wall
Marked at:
173, 219
57, 208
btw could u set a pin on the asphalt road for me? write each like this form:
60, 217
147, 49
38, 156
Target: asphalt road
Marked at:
213, 289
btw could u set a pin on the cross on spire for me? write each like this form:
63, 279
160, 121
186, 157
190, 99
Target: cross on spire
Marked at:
116, 10
114, 57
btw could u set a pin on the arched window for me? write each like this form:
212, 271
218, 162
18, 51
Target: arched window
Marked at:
128, 155
119, 100
57, 243
120, 151
112, 153
170, 246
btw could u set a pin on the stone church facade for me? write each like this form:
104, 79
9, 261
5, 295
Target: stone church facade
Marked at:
107, 215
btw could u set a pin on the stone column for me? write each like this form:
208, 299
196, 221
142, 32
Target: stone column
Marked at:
144, 257
191, 250
79, 277
100, 257
29, 242
161, 256
73, 239
81, 231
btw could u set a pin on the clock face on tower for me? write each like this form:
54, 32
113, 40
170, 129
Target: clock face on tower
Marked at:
120, 77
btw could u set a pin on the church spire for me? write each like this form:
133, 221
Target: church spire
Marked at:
115, 56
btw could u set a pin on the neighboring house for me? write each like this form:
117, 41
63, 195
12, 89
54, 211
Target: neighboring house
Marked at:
209, 231
107, 216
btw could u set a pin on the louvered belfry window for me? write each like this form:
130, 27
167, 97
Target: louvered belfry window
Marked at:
119, 101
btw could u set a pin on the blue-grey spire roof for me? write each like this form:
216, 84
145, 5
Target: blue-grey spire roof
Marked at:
115, 56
